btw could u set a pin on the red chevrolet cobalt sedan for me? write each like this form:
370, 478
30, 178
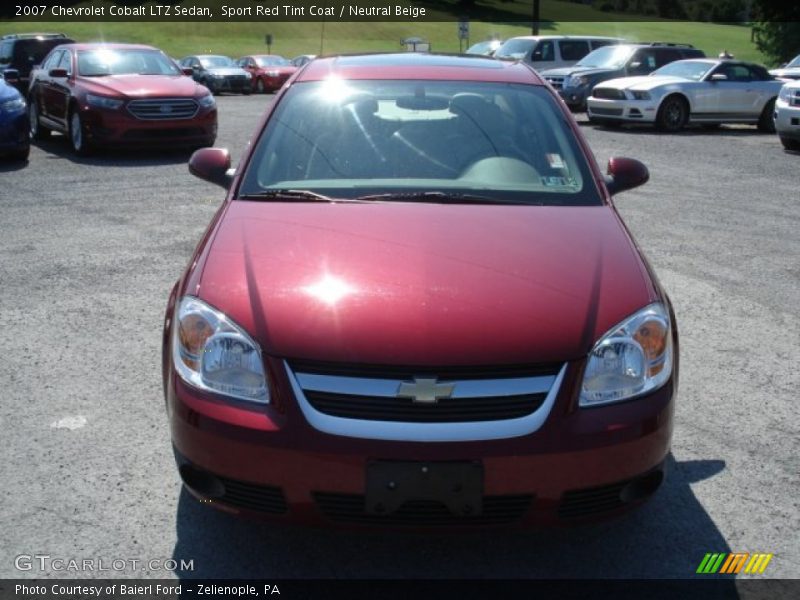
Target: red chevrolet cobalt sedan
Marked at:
119, 95
418, 306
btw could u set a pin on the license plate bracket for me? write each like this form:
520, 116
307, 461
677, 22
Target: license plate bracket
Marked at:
457, 485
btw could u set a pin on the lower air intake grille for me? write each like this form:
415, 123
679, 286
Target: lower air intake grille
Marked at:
350, 508
261, 498
590, 501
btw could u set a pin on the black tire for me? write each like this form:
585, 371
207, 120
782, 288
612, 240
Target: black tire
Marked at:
766, 122
36, 130
260, 87
673, 114
77, 136
21, 155
791, 144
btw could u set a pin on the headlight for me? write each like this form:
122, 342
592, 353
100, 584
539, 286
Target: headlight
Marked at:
641, 95
785, 94
578, 81
206, 101
15, 105
633, 359
212, 353
217, 76
248, 74
103, 102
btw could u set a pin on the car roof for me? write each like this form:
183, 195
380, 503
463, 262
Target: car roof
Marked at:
563, 37
110, 46
419, 65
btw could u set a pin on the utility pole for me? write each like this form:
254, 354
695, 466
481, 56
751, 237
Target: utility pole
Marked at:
535, 23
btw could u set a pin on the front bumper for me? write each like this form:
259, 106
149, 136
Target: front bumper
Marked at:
787, 120
581, 464
14, 131
118, 128
630, 111
575, 98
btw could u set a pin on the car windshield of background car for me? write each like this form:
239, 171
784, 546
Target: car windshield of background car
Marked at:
98, 63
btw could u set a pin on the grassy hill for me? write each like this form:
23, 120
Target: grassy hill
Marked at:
292, 38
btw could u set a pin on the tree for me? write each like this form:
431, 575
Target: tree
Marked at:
776, 29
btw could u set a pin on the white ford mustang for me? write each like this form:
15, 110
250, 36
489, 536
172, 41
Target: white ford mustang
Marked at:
707, 91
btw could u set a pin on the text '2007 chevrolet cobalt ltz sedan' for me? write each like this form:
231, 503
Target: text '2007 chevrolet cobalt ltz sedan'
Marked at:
419, 307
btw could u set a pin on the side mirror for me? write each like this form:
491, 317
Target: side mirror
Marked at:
719, 77
212, 164
188, 71
11, 75
58, 73
625, 174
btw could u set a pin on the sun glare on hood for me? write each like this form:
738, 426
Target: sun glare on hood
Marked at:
329, 290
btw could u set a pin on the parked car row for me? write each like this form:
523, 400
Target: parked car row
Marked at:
101, 94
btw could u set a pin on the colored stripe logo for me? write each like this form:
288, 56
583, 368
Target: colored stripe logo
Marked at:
733, 563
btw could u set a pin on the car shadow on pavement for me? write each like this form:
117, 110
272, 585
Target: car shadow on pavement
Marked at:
665, 538
9, 165
58, 148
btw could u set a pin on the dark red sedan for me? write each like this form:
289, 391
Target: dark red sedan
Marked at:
418, 306
269, 71
119, 95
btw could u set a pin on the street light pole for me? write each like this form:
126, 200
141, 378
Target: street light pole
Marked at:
535, 23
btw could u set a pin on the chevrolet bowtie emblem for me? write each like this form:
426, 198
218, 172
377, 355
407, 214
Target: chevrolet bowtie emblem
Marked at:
425, 391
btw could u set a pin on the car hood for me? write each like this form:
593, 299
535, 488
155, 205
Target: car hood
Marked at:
227, 71
139, 86
424, 284
283, 70
790, 73
8, 92
566, 71
643, 83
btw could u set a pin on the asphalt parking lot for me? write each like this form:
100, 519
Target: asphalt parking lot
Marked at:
91, 247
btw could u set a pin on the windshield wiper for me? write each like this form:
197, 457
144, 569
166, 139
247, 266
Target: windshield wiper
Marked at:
305, 195
438, 197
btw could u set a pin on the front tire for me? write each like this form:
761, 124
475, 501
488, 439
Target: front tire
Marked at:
766, 123
673, 114
77, 136
260, 88
790, 144
36, 129
21, 155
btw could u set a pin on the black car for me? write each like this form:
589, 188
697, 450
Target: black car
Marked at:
23, 51
218, 73
574, 84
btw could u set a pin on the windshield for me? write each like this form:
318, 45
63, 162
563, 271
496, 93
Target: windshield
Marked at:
216, 62
271, 61
113, 61
688, 69
503, 142
515, 48
795, 62
607, 57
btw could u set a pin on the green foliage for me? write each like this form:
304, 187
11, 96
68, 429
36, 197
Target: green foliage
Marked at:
780, 41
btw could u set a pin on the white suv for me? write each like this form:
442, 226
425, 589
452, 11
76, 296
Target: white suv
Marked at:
551, 51
787, 115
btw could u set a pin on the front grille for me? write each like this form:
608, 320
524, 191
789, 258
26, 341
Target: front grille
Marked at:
556, 82
608, 93
590, 501
611, 112
445, 410
162, 109
250, 496
396, 394
351, 508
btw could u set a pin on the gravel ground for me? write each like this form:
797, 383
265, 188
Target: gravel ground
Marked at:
89, 249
